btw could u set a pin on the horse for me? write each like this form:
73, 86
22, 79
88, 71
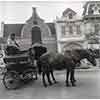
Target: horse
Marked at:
78, 55
49, 61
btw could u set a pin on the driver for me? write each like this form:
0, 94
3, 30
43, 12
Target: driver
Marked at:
12, 45
12, 42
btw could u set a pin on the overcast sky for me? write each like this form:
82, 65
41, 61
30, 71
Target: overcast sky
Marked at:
20, 11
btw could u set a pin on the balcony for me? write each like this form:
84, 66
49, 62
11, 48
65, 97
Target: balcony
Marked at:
92, 16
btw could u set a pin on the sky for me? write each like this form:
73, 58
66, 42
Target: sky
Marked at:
20, 11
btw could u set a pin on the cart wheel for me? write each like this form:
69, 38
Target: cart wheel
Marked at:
29, 75
11, 80
35, 74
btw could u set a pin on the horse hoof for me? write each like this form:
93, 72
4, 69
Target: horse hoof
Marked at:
74, 80
68, 85
45, 86
73, 85
50, 84
56, 82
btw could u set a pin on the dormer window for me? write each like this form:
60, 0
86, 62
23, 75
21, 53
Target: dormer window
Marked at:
69, 13
35, 22
90, 9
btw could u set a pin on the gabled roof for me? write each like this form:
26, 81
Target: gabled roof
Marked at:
68, 10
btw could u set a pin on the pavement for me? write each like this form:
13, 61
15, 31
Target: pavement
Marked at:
88, 87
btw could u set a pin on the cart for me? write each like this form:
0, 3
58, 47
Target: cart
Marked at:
18, 68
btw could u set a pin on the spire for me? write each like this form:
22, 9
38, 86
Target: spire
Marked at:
34, 14
34, 18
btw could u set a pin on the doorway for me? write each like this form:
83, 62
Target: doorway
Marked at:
36, 35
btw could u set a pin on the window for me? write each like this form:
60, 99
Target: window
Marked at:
70, 29
93, 41
96, 28
35, 22
90, 9
78, 29
63, 29
70, 16
99, 10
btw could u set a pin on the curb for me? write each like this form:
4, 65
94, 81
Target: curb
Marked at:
89, 69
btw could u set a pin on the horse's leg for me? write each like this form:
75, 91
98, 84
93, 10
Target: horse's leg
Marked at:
48, 77
74, 75
67, 77
43, 79
71, 77
53, 77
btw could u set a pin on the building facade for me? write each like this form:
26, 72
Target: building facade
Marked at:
91, 20
34, 30
68, 32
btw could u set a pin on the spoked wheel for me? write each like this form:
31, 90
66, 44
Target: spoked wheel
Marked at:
11, 80
30, 74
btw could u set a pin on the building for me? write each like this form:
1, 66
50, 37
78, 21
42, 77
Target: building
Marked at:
91, 20
68, 32
79, 32
34, 30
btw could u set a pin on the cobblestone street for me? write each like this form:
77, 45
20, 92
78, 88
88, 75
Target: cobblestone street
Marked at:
88, 87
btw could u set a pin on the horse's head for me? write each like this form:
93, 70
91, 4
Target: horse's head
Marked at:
91, 57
